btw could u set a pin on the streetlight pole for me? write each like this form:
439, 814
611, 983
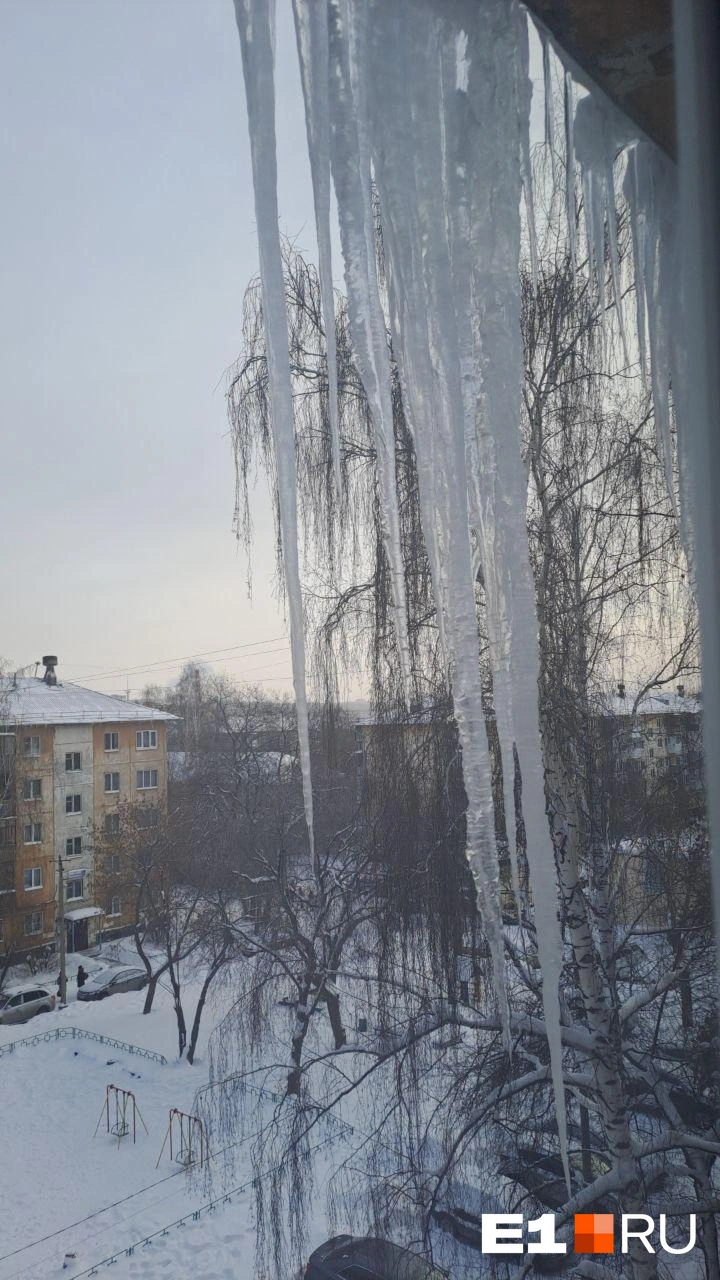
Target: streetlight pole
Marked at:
61, 928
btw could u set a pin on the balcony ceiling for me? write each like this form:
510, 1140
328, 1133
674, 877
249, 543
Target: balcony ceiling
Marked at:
625, 47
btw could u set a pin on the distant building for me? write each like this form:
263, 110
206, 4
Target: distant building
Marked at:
656, 739
70, 758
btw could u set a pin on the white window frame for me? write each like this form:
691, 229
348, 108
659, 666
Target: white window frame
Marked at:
112, 736
72, 756
33, 916
71, 884
36, 879
112, 789
70, 850
112, 828
113, 863
35, 829
32, 789
151, 744
142, 774
31, 745
114, 906
73, 802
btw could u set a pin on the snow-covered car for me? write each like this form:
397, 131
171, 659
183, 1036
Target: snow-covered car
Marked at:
109, 982
19, 1006
353, 1258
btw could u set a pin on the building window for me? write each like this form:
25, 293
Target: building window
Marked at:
32, 833
147, 818
33, 923
146, 739
32, 878
73, 803
75, 887
112, 862
32, 788
146, 778
112, 781
112, 742
2, 929
31, 745
114, 907
73, 846
112, 824
73, 761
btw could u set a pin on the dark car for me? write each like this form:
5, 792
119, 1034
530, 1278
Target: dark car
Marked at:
111, 981
353, 1258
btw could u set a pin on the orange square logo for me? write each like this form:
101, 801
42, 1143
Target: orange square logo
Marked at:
594, 1233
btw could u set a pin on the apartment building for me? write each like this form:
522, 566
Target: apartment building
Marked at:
70, 760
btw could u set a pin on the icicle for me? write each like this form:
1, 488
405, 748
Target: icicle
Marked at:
420, 94
637, 228
598, 225
502, 371
313, 52
524, 93
570, 168
350, 152
409, 160
600, 132
549, 96
615, 256
589, 228
255, 21
652, 192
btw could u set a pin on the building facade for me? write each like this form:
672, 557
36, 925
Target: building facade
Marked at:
71, 761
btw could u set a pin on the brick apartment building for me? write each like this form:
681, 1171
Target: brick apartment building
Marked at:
70, 759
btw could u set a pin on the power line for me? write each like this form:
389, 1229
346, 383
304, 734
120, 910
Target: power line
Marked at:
188, 657
179, 666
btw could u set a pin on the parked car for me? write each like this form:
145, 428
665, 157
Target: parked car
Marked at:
353, 1258
19, 1006
108, 982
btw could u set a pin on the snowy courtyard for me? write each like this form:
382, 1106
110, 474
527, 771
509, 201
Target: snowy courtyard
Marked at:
102, 1197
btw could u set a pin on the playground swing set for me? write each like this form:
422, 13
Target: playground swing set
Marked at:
187, 1138
185, 1133
121, 1113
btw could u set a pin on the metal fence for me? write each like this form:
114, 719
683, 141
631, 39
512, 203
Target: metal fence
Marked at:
77, 1033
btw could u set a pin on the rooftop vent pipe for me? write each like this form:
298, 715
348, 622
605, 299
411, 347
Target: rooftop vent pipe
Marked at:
50, 663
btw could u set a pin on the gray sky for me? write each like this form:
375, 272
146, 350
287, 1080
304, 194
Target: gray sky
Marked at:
128, 237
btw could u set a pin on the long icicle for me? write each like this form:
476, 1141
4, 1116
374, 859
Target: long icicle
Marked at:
350, 150
311, 30
255, 21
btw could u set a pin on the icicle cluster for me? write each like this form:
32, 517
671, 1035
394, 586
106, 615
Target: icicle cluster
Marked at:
431, 102
598, 136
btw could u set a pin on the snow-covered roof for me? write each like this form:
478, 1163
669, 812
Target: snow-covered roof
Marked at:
29, 700
655, 703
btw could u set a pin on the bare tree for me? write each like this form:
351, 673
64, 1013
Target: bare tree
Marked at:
609, 575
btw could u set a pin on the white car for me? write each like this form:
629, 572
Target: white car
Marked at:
19, 1006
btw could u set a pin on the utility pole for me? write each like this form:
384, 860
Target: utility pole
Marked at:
61, 928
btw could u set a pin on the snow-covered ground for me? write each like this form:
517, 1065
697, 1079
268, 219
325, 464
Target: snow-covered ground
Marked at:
67, 1190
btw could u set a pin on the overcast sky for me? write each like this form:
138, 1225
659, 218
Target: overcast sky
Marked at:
128, 237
